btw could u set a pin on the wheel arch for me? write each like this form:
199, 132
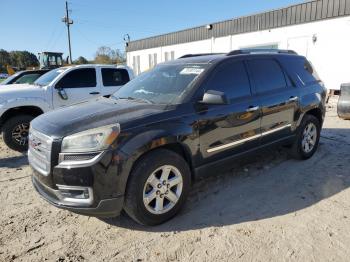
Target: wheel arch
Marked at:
25, 110
137, 148
316, 112
171, 145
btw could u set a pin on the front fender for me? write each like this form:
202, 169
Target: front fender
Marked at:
131, 147
26, 101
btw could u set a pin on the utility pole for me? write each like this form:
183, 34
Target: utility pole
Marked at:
68, 22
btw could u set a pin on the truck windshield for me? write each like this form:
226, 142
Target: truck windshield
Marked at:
165, 84
47, 78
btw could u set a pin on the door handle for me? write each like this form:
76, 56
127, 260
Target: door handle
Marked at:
293, 99
94, 93
252, 108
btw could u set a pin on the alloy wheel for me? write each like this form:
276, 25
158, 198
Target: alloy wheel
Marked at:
162, 189
20, 134
309, 138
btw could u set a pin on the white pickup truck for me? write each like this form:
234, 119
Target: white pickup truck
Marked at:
19, 104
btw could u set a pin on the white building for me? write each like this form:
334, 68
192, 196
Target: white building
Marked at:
319, 30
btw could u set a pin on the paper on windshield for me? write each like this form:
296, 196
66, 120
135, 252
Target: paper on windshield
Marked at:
191, 71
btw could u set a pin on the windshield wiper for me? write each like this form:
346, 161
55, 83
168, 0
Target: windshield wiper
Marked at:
136, 99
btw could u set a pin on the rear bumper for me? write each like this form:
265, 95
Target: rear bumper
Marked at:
105, 207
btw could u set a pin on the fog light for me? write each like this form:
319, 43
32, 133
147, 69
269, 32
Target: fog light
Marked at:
75, 195
78, 194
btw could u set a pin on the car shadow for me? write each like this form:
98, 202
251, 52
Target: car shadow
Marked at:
14, 162
265, 185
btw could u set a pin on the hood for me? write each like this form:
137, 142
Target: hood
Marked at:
8, 92
87, 115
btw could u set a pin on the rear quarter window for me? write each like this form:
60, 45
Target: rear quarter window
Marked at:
302, 70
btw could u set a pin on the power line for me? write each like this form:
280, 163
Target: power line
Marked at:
56, 39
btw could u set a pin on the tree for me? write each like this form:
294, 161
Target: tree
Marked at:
107, 55
4, 60
81, 61
23, 59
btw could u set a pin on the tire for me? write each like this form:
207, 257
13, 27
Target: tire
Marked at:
139, 184
298, 149
21, 122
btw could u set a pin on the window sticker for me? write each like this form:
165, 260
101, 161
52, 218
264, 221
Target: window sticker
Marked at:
191, 71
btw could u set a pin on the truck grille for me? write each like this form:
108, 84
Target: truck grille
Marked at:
39, 153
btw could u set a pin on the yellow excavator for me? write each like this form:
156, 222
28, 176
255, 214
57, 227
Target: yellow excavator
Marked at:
10, 70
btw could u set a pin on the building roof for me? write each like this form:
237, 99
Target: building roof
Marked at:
292, 15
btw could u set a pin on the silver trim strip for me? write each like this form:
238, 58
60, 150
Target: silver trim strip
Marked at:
211, 150
233, 143
74, 201
275, 130
75, 164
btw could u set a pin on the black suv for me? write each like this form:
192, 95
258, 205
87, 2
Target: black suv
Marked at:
141, 149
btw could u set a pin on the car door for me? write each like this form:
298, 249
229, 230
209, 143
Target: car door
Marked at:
278, 98
76, 85
113, 79
225, 130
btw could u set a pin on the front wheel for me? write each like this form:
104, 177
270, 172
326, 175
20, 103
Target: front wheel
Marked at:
157, 187
15, 132
307, 138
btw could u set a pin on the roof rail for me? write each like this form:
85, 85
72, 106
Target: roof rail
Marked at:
204, 54
261, 51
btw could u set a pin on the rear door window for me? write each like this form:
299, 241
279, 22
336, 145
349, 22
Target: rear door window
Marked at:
267, 74
78, 78
114, 76
230, 78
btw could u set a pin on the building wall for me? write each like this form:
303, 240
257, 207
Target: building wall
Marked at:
330, 53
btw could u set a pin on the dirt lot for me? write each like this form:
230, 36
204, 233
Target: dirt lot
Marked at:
271, 208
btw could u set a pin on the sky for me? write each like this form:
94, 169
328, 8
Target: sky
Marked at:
35, 25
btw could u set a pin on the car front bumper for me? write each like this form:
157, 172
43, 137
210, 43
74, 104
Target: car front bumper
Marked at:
104, 208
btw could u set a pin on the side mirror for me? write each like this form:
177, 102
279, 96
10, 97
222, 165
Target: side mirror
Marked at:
212, 97
62, 93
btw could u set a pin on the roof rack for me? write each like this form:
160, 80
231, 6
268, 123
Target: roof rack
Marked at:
204, 54
261, 51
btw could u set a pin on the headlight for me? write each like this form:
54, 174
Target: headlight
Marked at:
96, 139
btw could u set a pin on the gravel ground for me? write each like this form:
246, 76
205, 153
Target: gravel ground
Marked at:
268, 208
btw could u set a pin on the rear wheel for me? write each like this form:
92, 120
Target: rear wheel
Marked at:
307, 140
15, 132
157, 187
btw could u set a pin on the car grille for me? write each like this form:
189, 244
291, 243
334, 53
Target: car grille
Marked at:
39, 153
80, 157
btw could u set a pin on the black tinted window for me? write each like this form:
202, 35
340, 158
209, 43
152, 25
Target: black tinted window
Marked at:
114, 77
85, 77
232, 79
267, 74
304, 70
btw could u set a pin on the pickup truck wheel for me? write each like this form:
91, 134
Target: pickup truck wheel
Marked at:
157, 187
15, 132
307, 138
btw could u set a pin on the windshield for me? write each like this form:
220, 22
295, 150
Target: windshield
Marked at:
47, 78
165, 84
10, 78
